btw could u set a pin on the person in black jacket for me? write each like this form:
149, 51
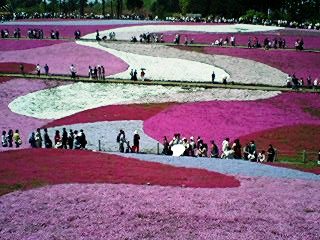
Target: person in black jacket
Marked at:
136, 142
64, 138
271, 153
46, 138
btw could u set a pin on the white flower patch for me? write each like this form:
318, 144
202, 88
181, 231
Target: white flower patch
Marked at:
55, 103
125, 33
107, 132
163, 68
241, 70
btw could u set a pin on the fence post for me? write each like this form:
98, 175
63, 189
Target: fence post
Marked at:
99, 144
158, 148
304, 156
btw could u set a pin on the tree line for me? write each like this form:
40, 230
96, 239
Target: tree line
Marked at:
291, 10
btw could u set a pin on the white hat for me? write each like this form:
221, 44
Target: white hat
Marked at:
135, 132
191, 138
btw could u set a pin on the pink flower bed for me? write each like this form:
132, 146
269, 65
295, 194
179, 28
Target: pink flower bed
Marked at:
5, 79
8, 92
66, 31
220, 119
112, 113
311, 42
301, 63
30, 165
59, 57
259, 209
10, 45
289, 140
10, 67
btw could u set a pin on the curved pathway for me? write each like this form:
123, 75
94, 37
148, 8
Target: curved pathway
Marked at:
227, 166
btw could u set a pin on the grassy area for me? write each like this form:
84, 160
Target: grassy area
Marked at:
296, 162
6, 187
148, 3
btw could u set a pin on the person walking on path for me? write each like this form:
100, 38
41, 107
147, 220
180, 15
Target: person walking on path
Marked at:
64, 139
38, 138
83, 139
38, 70
70, 139
4, 141
103, 72
121, 139
136, 142
21, 66
213, 76
73, 71
46, 69
32, 140
46, 138
17, 139
10, 137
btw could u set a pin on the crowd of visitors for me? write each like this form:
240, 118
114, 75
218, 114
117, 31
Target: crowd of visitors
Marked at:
297, 83
35, 33
134, 74
4, 33
55, 34
274, 43
38, 69
299, 44
267, 43
7, 139
67, 140
32, 33
96, 73
148, 38
133, 16
198, 148
254, 42
124, 144
112, 36
227, 41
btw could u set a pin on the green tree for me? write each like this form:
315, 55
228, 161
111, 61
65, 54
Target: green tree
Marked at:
82, 4
162, 8
103, 8
119, 8
184, 6
134, 4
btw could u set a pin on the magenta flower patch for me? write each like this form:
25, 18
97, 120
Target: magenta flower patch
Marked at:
9, 120
66, 31
59, 57
302, 64
220, 119
11, 45
311, 42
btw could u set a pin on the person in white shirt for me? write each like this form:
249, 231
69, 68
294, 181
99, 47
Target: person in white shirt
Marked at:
233, 41
315, 84
226, 149
38, 69
73, 71
4, 141
262, 156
